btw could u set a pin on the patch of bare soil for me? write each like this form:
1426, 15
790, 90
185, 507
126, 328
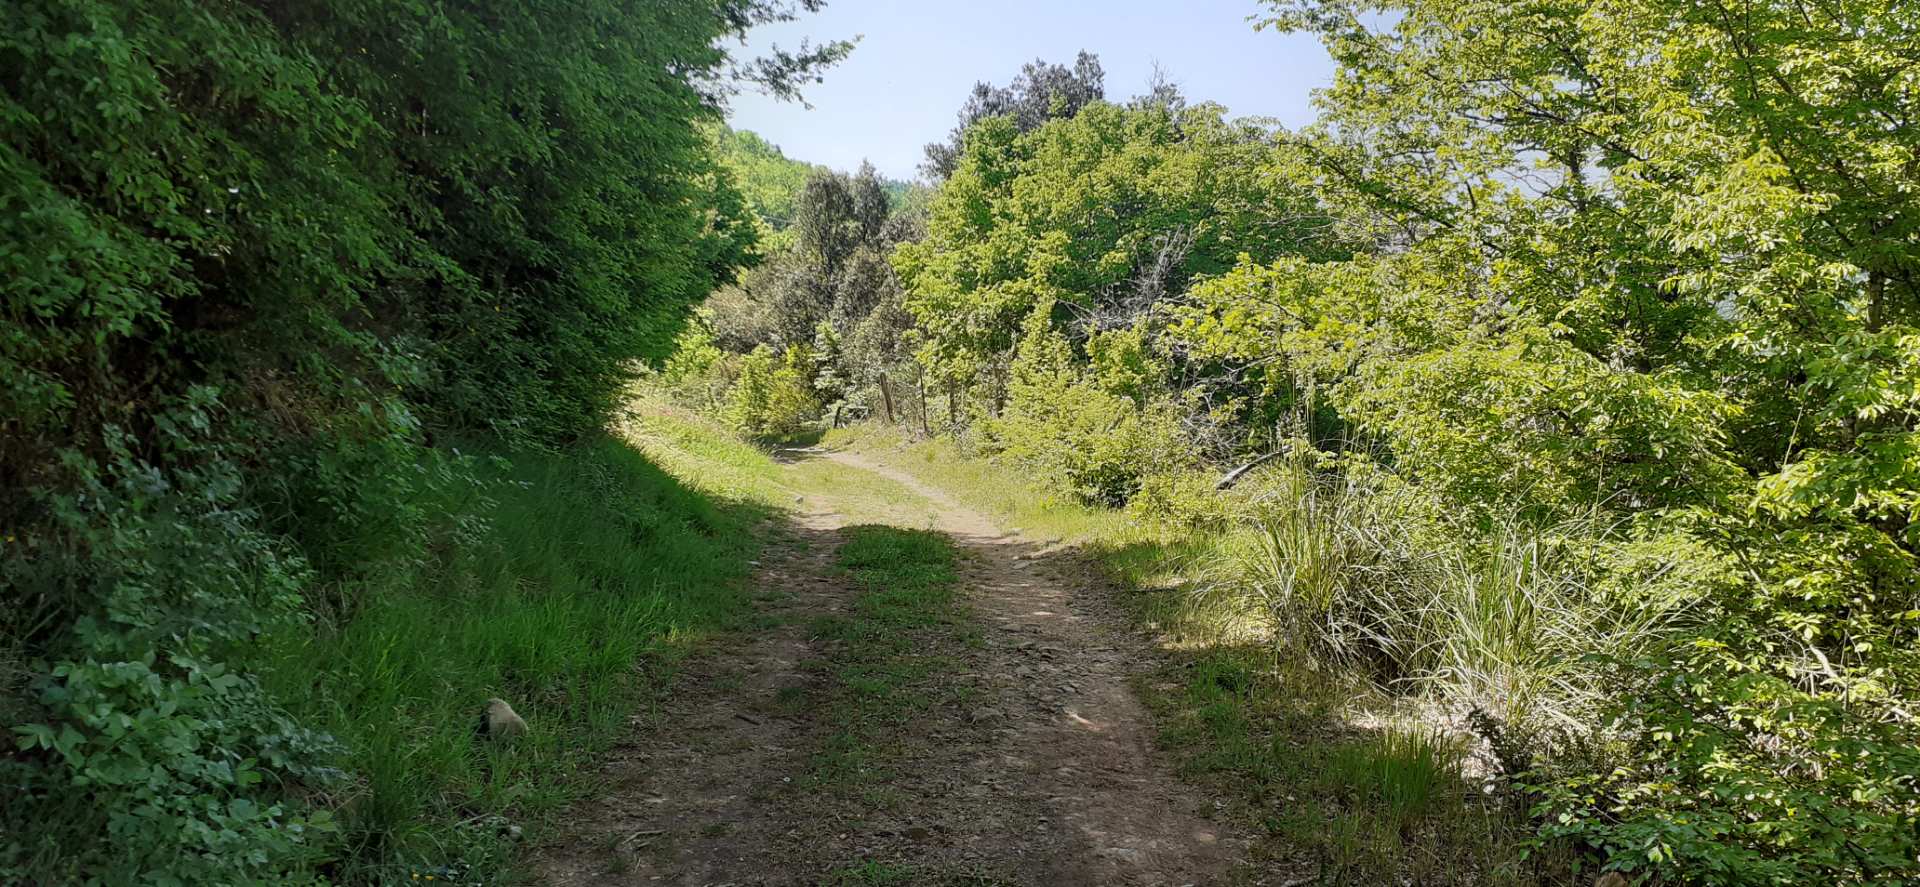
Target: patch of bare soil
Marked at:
1037, 768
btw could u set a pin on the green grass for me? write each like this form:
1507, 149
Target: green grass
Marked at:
942, 463
593, 562
886, 653
1275, 735
1406, 773
871, 873
713, 460
1134, 555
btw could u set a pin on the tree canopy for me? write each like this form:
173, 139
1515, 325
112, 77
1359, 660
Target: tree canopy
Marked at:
1040, 93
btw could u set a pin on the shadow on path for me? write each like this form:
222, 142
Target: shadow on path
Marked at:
1043, 772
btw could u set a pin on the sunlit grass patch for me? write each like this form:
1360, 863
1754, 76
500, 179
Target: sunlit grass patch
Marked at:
714, 460
985, 486
1407, 772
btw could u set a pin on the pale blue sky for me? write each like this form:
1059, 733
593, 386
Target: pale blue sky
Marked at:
906, 81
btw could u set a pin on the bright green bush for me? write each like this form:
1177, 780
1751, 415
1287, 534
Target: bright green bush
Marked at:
1084, 433
699, 374
1187, 501
774, 395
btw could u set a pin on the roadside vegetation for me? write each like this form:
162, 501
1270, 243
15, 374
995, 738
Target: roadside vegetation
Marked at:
592, 573
313, 317
1557, 388
1521, 463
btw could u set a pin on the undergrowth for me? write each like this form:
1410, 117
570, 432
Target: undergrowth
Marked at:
593, 561
1295, 744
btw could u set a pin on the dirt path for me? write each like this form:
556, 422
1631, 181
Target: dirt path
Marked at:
1043, 772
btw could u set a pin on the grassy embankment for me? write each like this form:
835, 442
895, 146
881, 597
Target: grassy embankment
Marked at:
1327, 767
594, 570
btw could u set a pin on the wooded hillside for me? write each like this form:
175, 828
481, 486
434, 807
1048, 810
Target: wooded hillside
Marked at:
1557, 389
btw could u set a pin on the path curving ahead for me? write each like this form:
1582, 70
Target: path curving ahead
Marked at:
1037, 767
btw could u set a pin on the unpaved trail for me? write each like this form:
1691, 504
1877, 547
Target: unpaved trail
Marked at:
1044, 773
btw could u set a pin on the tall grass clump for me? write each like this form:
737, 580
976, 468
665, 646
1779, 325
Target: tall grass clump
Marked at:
1345, 567
1325, 564
1518, 626
1408, 773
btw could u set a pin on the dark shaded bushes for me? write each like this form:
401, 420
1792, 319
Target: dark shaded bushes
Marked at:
256, 260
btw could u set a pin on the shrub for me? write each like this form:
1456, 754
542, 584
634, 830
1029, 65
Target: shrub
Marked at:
773, 395
1087, 443
148, 752
1186, 501
1074, 431
699, 374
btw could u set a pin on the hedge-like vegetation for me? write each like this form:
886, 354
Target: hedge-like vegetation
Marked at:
261, 265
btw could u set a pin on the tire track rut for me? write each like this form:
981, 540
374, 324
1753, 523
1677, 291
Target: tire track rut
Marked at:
1046, 774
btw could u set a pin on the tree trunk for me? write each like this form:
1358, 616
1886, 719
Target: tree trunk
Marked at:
920, 385
886, 397
1876, 301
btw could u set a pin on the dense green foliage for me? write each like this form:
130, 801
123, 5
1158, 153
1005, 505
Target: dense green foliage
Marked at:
256, 260
768, 179
1083, 228
817, 324
1579, 346
1653, 260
